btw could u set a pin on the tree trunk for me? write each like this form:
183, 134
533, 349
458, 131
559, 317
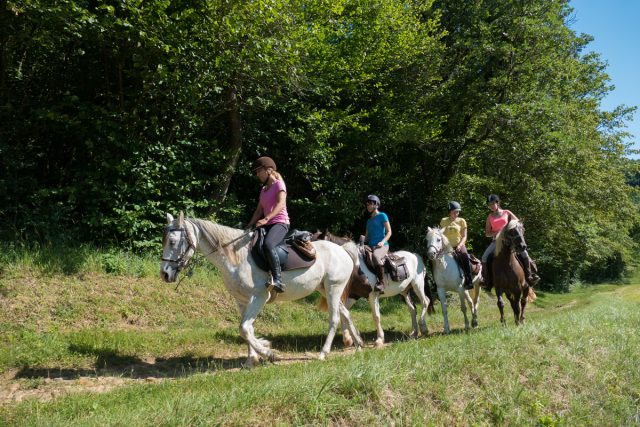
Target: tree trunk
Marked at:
235, 147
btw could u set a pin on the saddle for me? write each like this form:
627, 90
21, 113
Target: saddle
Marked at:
476, 264
294, 251
394, 265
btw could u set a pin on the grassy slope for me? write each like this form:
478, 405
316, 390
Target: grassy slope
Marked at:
574, 362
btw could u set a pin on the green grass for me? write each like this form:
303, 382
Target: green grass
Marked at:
169, 358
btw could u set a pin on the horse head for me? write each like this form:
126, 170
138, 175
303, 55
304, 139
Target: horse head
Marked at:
436, 243
178, 247
514, 236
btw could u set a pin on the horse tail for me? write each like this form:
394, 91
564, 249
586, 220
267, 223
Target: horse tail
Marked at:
431, 310
531, 297
322, 304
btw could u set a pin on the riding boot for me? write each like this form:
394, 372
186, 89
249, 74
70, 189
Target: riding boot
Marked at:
466, 270
530, 276
380, 276
276, 272
486, 275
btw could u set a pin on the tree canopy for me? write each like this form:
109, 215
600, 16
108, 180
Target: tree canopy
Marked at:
115, 112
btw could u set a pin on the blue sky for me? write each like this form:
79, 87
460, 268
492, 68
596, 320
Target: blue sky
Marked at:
615, 27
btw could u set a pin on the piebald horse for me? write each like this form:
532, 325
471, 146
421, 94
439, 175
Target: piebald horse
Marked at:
415, 281
449, 278
508, 275
359, 288
228, 249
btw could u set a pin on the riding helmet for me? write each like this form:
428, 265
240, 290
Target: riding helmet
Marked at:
373, 198
493, 198
264, 162
454, 206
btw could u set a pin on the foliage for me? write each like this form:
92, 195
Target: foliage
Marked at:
120, 111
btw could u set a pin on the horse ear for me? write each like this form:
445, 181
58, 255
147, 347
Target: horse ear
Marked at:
169, 218
429, 230
181, 219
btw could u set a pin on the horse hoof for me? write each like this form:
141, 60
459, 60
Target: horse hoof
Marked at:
271, 357
322, 356
379, 344
474, 324
347, 341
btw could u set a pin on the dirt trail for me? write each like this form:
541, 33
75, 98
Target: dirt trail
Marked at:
45, 385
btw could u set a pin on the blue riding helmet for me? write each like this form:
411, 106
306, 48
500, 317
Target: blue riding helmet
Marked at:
493, 198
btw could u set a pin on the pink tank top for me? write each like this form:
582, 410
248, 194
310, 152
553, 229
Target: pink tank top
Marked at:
498, 223
269, 200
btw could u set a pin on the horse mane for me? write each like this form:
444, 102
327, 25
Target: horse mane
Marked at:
500, 237
219, 236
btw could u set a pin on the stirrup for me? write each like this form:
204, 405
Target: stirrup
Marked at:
276, 286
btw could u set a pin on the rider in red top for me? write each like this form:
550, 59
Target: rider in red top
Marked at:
496, 221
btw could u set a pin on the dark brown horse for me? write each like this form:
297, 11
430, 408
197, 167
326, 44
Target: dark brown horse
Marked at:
508, 274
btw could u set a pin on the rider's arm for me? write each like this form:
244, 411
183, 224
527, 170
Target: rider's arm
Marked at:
387, 236
512, 216
282, 200
487, 228
463, 236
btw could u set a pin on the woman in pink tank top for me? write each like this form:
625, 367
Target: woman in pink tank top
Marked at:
271, 214
496, 221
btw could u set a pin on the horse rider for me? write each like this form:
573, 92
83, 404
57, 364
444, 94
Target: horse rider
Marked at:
496, 220
271, 213
377, 237
455, 230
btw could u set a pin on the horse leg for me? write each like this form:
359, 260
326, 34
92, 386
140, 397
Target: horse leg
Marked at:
442, 294
474, 303
515, 305
246, 328
465, 299
374, 302
412, 311
252, 357
418, 288
500, 304
333, 303
350, 330
347, 339
523, 305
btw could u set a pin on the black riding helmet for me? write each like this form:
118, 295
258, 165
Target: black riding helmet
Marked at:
454, 206
493, 198
373, 198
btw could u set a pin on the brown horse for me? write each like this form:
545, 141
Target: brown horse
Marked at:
508, 274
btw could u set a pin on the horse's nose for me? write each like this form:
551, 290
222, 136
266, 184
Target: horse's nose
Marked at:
167, 274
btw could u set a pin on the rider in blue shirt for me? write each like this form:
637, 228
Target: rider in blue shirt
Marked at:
377, 238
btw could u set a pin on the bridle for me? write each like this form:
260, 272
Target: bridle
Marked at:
180, 262
185, 240
439, 252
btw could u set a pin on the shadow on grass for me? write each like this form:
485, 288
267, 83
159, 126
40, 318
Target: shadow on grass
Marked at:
109, 363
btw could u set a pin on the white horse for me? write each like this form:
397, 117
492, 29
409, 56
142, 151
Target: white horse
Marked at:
228, 249
415, 279
448, 277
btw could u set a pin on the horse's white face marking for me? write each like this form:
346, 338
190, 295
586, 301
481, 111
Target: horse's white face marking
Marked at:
177, 249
